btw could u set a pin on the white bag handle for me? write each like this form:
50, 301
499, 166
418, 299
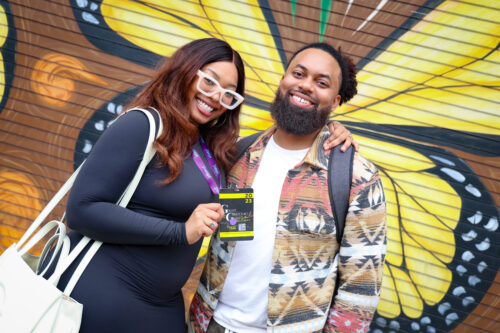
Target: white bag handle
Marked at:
48, 208
44, 231
149, 153
60, 235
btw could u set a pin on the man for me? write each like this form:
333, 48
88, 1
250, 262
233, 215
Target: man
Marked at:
284, 279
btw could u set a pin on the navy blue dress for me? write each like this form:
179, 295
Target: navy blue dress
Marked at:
133, 283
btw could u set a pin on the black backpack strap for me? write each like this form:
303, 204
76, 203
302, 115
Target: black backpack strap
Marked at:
339, 185
243, 144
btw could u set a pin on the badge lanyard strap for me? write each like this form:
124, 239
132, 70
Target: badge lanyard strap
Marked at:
213, 165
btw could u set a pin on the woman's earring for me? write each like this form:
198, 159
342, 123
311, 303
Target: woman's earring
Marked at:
214, 122
217, 122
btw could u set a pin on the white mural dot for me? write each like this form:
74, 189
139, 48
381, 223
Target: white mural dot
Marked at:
467, 256
89, 18
111, 107
482, 266
454, 174
82, 3
467, 300
473, 280
469, 236
442, 160
484, 245
476, 218
492, 224
458, 291
451, 318
442, 308
99, 125
473, 190
87, 147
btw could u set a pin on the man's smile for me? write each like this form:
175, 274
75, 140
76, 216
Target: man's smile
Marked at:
301, 100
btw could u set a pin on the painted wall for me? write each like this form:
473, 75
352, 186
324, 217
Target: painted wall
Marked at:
427, 113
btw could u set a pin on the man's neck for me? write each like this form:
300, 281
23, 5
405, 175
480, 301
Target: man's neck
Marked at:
293, 142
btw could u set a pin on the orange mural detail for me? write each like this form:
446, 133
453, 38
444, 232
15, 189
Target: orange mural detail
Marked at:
19, 204
54, 76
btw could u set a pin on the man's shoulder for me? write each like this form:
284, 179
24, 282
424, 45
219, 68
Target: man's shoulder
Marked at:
362, 167
255, 141
244, 143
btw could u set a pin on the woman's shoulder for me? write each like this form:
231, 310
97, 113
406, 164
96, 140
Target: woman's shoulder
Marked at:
130, 129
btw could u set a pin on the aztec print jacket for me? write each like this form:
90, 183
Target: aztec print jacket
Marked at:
305, 261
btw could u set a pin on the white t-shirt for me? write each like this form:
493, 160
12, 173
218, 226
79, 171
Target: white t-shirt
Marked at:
242, 304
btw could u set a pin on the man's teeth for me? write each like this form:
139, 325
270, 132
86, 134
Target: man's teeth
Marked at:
301, 100
204, 106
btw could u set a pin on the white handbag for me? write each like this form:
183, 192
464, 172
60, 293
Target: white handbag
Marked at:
31, 303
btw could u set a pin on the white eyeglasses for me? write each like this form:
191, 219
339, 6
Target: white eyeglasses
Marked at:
209, 86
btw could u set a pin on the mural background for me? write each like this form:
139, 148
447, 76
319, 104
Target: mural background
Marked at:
427, 113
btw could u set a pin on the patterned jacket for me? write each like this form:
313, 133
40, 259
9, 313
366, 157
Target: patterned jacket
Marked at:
307, 256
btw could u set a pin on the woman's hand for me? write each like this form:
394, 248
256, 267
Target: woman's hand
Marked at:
203, 221
339, 134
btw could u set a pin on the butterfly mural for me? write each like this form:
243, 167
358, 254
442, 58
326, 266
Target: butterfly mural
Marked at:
428, 96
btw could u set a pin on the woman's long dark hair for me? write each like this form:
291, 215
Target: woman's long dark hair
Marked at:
167, 92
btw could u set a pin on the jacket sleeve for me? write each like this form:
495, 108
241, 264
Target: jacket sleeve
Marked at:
362, 253
108, 170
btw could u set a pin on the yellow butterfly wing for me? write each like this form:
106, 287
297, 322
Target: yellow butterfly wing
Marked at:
415, 83
438, 74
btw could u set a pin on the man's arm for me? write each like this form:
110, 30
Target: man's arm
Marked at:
362, 253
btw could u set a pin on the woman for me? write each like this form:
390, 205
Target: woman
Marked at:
134, 281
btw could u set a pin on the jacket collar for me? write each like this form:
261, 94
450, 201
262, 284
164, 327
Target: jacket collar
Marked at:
315, 157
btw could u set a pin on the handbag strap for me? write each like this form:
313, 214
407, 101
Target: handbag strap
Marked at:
149, 153
48, 208
60, 235
123, 202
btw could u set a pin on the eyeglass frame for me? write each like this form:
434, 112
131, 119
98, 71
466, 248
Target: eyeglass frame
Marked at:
239, 99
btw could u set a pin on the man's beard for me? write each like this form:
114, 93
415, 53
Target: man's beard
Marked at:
296, 120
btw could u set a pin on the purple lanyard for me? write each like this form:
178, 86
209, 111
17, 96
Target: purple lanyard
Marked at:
211, 161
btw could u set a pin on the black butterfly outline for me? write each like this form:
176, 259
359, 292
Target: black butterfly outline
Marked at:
8, 51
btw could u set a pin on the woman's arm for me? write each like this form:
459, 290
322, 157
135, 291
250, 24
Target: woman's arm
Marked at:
339, 134
108, 170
